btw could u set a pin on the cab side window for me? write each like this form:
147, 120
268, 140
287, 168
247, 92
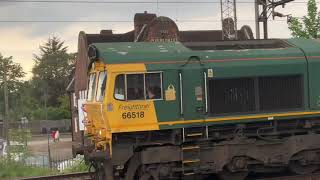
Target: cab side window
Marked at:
153, 86
119, 89
101, 89
135, 86
91, 87
138, 86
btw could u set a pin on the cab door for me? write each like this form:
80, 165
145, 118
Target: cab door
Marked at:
96, 108
192, 95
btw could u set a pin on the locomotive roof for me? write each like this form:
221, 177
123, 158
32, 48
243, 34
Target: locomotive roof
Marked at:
158, 52
112, 53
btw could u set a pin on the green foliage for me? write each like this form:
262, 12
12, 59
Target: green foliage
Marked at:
79, 166
309, 26
14, 73
52, 71
51, 75
11, 170
38, 114
54, 113
20, 137
64, 106
22, 102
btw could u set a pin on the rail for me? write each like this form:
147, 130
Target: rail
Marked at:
296, 177
89, 176
71, 176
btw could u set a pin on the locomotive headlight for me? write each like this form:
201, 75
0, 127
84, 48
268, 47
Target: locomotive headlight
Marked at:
102, 133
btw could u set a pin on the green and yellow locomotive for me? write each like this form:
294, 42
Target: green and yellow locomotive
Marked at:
172, 110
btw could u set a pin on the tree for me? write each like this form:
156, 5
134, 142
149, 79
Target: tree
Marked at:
53, 113
23, 101
51, 73
308, 26
10, 73
14, 73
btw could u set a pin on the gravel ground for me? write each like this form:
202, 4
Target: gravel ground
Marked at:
59, 150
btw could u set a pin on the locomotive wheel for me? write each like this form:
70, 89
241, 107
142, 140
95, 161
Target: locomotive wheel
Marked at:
93, 170
298, 168
301, 163
227, 175
137, 172
146, 176
99, 171
133, 167
142, 174
108, 170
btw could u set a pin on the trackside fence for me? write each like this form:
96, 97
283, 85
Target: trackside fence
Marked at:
56, 162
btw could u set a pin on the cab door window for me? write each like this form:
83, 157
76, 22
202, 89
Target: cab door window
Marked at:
91, 87
101, 88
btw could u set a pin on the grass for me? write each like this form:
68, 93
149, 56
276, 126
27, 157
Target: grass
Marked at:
12, 170
79, 166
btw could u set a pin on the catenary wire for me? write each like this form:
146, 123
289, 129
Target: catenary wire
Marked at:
132, 2
117, 2
116, 21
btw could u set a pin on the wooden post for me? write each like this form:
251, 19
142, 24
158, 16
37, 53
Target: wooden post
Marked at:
49, 152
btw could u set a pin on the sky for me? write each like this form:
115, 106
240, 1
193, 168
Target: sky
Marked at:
22, 39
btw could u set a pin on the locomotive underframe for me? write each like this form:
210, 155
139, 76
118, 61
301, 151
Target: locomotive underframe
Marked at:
232, 149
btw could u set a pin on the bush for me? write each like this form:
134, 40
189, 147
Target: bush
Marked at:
54, 113
38, 114
12, 170
18, 145
79, 166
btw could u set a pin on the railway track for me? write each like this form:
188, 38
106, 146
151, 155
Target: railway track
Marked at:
87, 176
71, 176
296, 177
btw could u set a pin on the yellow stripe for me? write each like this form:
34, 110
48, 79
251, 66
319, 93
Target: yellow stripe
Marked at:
241, 117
